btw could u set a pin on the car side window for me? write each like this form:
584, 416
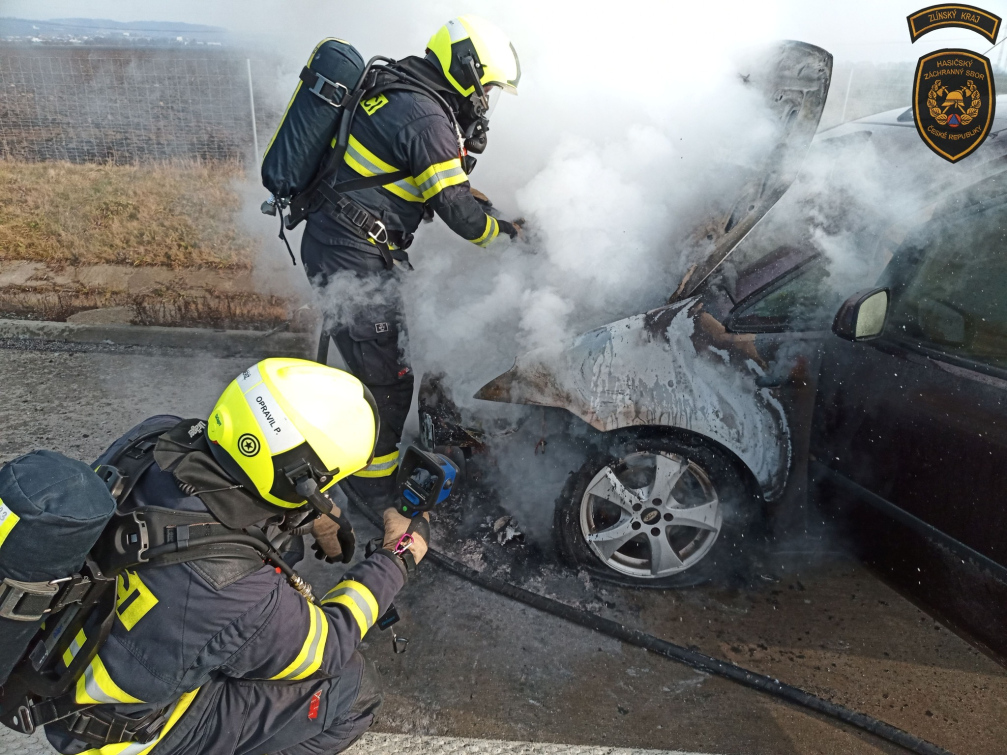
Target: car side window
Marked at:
949, 288
803, 302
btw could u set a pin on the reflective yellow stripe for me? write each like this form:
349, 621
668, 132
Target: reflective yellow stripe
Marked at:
366, 163
71, 652
382, 466
366, 603
377, 165
7, 521
127, 586
309, 659
357, 599
135, 748
438, 177
491, 232
95, 686
350, 605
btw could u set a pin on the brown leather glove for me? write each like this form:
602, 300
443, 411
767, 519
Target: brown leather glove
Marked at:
396, 526
326, 533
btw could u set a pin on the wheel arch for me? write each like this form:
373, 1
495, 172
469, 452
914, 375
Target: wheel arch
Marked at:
647, 432
659, 370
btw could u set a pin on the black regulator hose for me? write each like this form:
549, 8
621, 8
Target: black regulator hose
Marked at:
699, 661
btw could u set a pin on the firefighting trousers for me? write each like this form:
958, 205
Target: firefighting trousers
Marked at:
245, 717
363, 311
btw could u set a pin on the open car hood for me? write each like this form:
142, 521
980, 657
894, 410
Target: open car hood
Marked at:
793, 80
676, 366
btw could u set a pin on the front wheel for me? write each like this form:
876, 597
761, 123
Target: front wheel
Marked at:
656, 512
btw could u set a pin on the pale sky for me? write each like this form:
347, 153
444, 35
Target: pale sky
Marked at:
854, 29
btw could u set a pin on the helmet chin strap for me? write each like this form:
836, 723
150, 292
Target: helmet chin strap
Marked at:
303, 479
478, 98
475, 136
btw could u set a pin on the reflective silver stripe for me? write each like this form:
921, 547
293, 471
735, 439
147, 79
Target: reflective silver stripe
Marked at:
74, 648
92, 688
357, 598
442, 176
376, 170
383, 466
312, 648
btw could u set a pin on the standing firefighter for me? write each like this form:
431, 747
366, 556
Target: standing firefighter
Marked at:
401, 154
221, 653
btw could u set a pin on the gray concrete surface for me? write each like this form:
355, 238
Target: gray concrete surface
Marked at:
483, 667
392, 744
235, 343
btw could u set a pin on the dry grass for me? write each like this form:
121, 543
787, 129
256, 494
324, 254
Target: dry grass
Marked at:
163, 306
232, 310
168, 215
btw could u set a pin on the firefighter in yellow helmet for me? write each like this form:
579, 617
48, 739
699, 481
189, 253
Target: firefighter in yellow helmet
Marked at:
431, 133
221, 654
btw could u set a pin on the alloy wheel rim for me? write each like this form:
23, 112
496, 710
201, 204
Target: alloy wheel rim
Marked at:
651, 515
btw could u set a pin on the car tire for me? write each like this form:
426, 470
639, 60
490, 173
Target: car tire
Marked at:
721, 517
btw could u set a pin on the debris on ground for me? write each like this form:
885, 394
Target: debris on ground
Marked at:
506, 530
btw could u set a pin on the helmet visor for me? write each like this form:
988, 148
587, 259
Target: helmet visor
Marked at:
493, 93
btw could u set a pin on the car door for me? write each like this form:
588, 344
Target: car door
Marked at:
916, 420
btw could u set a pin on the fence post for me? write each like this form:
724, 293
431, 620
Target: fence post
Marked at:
251, 101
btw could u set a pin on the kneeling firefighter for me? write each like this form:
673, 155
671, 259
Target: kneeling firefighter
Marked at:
401, 138
204, 648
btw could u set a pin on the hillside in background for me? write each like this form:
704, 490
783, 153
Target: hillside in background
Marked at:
103, 31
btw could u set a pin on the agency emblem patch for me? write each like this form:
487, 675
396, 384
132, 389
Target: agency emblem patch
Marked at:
954, 101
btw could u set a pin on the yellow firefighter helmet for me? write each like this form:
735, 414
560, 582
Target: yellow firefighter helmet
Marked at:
282, 414
475, 54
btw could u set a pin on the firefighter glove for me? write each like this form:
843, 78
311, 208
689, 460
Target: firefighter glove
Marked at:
333, 543
513, 228
397, 525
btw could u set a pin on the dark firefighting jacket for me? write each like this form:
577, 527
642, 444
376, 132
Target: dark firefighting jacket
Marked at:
179, 626
404, 130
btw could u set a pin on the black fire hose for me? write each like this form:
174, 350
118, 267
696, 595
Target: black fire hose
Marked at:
699, 661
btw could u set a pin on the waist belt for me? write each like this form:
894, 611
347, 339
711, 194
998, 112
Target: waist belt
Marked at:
91, 725
364, 224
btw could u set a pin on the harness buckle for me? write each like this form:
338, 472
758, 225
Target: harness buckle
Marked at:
26, 601
322, 88
378, 232
356, 216
23, 720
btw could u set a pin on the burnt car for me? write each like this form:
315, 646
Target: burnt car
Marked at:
700, 411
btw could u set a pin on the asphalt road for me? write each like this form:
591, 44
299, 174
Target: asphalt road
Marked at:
484, 667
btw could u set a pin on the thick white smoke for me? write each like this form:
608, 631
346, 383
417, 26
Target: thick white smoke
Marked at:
629, 123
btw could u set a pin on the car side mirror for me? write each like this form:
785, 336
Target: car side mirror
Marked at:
862, 316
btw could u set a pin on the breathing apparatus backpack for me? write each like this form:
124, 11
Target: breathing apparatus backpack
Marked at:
309, 144
66, 534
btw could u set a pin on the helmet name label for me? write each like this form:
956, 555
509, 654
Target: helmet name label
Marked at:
280, 433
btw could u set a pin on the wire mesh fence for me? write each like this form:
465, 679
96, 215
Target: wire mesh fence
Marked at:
124, 105
130, 105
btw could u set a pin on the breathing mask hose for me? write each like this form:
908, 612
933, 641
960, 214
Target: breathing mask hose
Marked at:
704, 663
269, 554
